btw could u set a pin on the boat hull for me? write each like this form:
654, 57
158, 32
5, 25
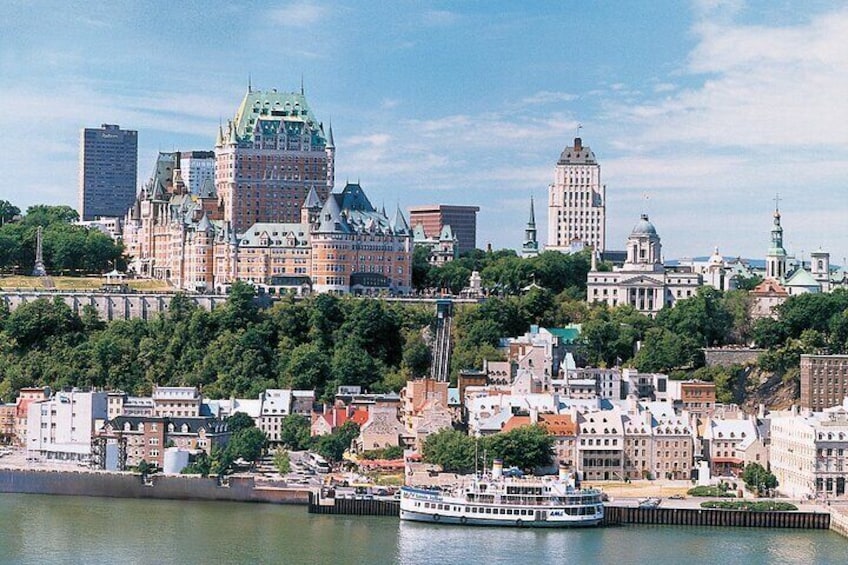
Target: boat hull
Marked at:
528, 522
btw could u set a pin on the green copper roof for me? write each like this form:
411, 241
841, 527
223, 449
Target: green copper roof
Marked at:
568, 334
271, 110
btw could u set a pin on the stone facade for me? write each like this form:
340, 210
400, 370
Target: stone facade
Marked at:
577, 201
643, 282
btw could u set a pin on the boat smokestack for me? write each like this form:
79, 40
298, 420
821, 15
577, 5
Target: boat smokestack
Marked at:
564, 475
497, 468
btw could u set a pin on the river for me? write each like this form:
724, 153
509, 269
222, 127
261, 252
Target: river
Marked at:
38, 529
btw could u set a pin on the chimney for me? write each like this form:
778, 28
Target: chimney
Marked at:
578, 144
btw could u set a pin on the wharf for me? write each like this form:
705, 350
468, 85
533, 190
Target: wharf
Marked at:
614, 515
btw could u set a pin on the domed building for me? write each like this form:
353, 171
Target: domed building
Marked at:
643, 281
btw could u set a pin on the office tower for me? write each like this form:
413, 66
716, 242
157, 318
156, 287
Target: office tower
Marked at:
577, 202
107, 172
461, 219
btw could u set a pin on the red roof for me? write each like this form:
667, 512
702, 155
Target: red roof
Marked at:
360, 416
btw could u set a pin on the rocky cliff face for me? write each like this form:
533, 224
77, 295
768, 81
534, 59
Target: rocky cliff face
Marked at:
773, 390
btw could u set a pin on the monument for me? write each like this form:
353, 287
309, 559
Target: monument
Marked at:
38, 270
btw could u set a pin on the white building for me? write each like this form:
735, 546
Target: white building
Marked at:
177, 401
577, 201
808, 451
198, 171
643, 281
725, 440
61, 428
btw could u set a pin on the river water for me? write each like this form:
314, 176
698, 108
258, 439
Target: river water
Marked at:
60, 529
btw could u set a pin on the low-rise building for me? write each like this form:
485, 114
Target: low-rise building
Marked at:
145, 438
61, 428
807, 453
176, 401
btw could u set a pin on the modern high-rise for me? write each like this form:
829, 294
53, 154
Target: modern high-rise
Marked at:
461, 219
198, 171
577, 201
269, 156
107, 172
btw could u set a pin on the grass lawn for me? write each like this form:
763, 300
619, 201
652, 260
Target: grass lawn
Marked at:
19, 282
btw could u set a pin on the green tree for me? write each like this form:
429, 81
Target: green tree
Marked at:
282, 462
8, 212
759, 479
247, 444
333, 446
420, 267
295, 432
451, 449
416, 356
202, 465
527, 447
33, 323
240, 421
663, 351
308, 368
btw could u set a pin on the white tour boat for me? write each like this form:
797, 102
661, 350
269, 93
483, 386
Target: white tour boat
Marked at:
499, 501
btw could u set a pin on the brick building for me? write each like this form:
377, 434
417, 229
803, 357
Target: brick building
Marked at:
461, 219
824, 381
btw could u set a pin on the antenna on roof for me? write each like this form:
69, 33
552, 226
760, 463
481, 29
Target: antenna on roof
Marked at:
579, 127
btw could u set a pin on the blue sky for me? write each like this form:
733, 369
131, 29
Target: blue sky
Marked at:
699, 112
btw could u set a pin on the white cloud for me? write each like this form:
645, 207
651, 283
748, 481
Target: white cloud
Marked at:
548, 97
299, 14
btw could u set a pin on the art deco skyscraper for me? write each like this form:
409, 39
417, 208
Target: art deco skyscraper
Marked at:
269, 156
107, 172
577, 201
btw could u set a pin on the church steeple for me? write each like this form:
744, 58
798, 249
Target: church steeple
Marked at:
776, 258
531, 245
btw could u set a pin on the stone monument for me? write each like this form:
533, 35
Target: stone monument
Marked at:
39, 270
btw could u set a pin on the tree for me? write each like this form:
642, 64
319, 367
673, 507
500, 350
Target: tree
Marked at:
758, 479
145, 468
451, 449
201, 465
240, 421
420, 267
333, 446
33, 323
308, 368
247, 444
282, 462
664, 350
527, 447
295, 432
416, 356
8, 212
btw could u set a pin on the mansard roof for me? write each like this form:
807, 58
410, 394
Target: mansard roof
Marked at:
350, 211
269, 111
277, 234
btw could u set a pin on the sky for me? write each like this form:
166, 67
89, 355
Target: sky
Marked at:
699, 112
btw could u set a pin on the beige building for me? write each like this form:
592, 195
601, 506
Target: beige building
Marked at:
176, 401
643, 282
808, 451
577, 201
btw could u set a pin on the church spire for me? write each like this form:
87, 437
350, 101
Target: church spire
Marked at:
530, 248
